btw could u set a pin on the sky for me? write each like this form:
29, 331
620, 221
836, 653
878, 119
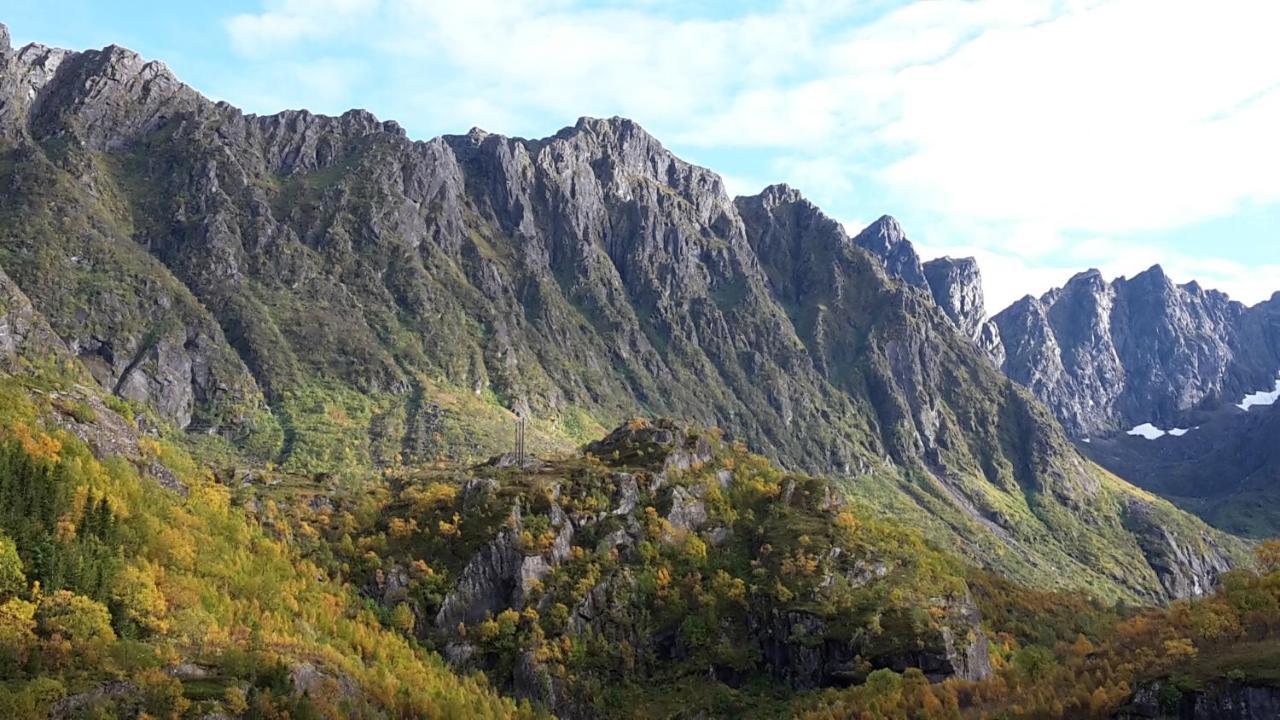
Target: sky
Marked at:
1043, 137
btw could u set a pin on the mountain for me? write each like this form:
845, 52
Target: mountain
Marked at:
328, 295
1226, 469
248, 365
1108, 356
954, 283
1166, 385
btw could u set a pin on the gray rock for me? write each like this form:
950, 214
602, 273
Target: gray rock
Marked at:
792, 645
885, 239
72, 705
687, 511
956, 286
626, 493
1106, 356
1220, 701
488, 585
1187, 566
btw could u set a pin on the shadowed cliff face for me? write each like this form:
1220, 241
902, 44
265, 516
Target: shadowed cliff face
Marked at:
226, 268
1223, 701
1110, 356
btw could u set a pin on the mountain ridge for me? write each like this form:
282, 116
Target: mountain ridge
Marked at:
320, 291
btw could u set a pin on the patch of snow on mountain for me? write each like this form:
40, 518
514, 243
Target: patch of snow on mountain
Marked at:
1148, 431
1261, 397
1179, 432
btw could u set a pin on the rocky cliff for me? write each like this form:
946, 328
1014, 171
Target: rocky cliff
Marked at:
955, 284
1108, 356
1223, 701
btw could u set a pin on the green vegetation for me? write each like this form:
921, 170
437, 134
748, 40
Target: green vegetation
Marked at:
637, 598
1229, 637
105, 577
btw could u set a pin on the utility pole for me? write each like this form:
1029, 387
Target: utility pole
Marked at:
520, 440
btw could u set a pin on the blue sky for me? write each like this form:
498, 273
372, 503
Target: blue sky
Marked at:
1042, 136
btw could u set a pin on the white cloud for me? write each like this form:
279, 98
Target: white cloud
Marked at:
287, 22
1132, 115
1012, 127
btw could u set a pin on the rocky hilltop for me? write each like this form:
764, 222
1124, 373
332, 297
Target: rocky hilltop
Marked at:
670, 557
325, 293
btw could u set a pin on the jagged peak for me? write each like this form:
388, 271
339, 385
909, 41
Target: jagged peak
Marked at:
128, 62
615, 124
1090, 278
5, 45
615, 129
1026, 304
1154, 273
884, 237
970, 262
777, 194
887, 227
1152, 277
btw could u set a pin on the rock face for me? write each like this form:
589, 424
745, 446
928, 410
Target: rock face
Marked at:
1110, 356
1226, 701
1184, 570
24, 334
27, 340
139, 330
956, 286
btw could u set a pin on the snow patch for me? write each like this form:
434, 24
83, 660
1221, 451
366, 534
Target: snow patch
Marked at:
1262, 397
1151, 432
1147, 430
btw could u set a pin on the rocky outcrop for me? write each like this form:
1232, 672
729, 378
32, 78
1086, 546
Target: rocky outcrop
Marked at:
956, 285
662, 444
1188, 566
616, 567
799, 648
1221, 701
1111, 356
885, 239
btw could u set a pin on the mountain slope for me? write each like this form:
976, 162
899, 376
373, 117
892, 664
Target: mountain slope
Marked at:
1226, 470
321, 292
132, 587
